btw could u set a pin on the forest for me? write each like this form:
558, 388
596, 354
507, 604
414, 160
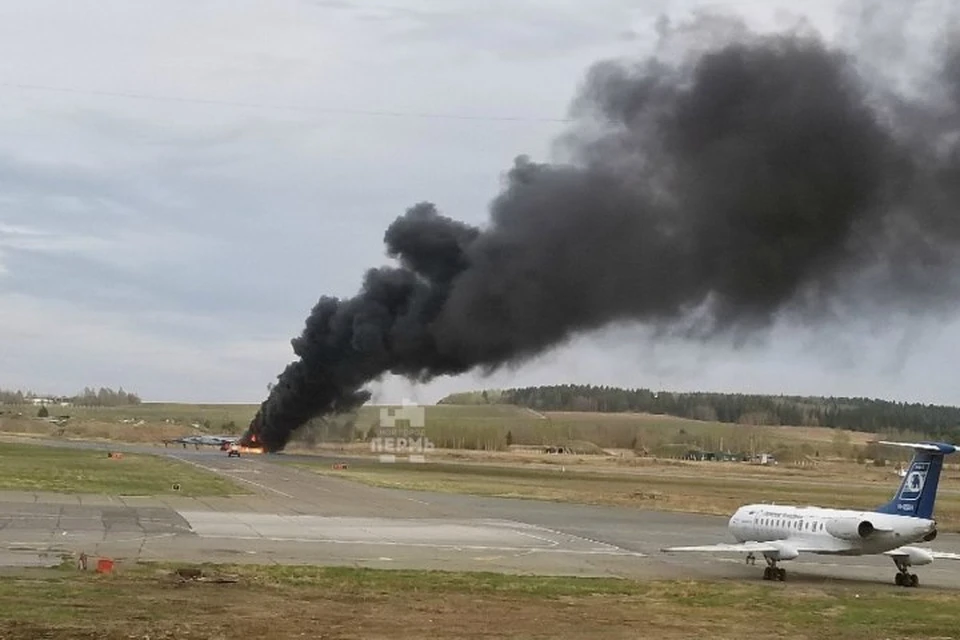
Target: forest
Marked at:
858, 414
89, 397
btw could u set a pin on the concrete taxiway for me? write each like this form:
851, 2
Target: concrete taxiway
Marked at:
297, 517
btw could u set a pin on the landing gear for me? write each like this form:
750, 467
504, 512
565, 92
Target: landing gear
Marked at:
904, 577
751, 559
907, 580
773, 572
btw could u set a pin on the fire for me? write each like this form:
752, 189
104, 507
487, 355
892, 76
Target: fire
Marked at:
250, 444
251, 449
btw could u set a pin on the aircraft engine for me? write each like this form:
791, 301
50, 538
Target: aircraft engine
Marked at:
850, 528
930, 537
916, 557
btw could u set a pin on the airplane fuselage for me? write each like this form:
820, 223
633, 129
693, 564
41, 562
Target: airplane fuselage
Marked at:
785, 532
837, 531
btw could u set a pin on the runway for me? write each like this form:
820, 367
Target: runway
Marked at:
297, 517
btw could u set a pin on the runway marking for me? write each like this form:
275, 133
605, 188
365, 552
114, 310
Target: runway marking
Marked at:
430, 545
56, 516
548, 541
527, 525
159, 536
417, 501
226, 475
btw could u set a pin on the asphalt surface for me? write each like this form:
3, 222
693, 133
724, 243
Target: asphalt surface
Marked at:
297, 517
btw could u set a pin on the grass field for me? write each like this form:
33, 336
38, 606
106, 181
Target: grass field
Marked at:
449, 426
487, 426
42, 468
296, 602
144, 423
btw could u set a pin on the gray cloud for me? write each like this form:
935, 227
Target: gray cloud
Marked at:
168, 243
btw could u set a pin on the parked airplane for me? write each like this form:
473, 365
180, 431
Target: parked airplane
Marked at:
212, 441
784, 532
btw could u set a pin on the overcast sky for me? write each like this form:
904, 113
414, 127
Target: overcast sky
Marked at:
180, 180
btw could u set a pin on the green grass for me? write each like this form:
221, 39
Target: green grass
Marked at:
288, 602
41, 468
181, 413
357, 580
486, 427
448, 426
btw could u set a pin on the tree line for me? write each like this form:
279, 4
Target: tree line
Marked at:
857, 414
89, 397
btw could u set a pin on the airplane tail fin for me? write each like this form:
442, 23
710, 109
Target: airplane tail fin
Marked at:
918, 490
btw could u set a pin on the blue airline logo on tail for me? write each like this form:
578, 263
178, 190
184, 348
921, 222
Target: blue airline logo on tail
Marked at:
914, 482
918, 492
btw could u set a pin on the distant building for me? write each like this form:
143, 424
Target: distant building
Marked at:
714, 456
764, 458
50, 402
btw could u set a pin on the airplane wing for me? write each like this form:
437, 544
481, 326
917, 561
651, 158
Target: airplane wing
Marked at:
724, 547
785, 547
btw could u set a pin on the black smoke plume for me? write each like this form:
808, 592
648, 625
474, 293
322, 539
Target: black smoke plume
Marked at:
757, 176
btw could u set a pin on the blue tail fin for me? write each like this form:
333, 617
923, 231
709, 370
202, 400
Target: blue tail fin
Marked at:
918, 491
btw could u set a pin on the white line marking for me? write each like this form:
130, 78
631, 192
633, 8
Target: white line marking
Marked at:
225, 475
527, 525
428, 545
107, 541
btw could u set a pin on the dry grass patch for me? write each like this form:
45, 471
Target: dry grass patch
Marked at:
294, 602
